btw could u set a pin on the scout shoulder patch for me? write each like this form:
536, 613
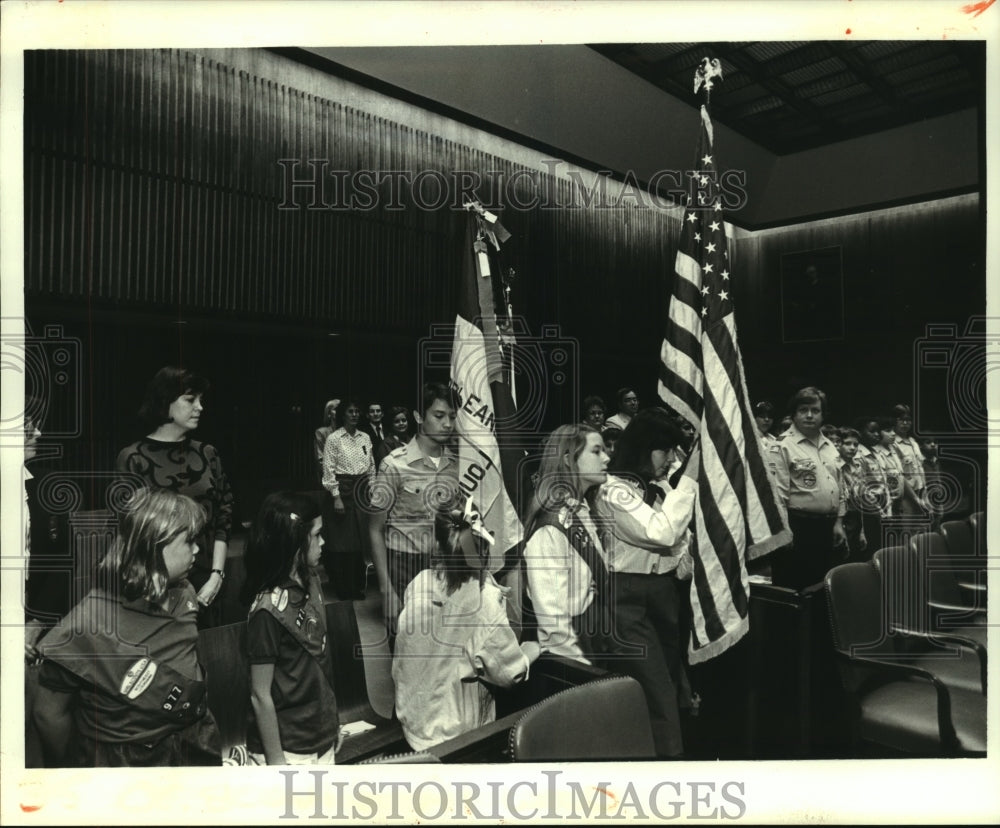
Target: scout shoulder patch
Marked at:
138, 678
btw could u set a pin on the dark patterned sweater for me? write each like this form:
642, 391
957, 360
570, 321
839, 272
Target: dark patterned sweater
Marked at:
190, 468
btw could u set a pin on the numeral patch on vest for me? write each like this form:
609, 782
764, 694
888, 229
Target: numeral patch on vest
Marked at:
172, 697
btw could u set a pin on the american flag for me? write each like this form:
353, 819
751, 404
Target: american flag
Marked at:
701, 377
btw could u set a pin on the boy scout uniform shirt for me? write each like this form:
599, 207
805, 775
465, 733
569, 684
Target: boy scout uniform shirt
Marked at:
808, 474
411, 489
893, 468
912, 460
874, 492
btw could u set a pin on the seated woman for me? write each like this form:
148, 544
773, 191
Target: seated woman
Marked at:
567, 572
452, 632
120, 684
647, 546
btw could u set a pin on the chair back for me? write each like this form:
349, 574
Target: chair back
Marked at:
605, 719
937, 566
958, 538
854, 599
977, 522
348, 664
227, 674
904, 586
91, 535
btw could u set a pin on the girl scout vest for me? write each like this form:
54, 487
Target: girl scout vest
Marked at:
93, 643
593, 626
305, 622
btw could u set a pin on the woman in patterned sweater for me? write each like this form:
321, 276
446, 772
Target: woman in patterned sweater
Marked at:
167, 458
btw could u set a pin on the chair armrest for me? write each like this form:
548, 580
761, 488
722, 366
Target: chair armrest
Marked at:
812, 589
898, 671
972, 586
372, 743
957, 608
569, 669
487, 743
949, 638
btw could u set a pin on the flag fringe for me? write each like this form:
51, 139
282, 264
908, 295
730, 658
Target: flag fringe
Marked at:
776, 541
720, 645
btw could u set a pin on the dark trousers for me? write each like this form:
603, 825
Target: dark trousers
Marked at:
852, 528
646, 644
403, 567
872, 523
346, 548
811, 554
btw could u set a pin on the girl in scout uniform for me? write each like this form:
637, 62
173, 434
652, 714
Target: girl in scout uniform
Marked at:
646, 540
567, 571
123, 665
453, 636
293, 707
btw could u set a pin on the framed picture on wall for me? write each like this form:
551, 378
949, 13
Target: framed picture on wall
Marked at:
812, 295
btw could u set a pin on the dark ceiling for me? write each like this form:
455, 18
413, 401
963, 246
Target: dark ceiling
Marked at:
793, 96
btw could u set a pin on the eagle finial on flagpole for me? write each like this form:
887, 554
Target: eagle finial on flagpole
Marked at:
703, 75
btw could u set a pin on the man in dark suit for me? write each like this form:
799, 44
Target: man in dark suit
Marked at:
374, 426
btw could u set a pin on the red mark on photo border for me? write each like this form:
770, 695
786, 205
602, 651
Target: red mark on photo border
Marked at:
976, 9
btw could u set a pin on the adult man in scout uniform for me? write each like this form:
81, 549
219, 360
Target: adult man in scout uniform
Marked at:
806, 467
413, 483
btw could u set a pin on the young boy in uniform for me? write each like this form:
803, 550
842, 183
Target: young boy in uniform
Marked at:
413, 483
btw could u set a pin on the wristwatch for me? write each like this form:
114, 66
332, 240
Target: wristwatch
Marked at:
220, 573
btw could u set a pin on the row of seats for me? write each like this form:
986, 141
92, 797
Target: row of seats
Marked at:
910, 630
560, 728
550, 716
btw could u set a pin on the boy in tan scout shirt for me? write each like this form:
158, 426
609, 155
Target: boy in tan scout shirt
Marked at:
413, 483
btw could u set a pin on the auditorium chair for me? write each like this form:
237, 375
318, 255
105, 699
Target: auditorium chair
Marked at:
967, 549
906, 577
351, 687
223, 654
91, 535
222, 651
899, 708
951, 611
606, 719
550, 674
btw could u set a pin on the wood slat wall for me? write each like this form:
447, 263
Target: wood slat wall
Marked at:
153, 180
